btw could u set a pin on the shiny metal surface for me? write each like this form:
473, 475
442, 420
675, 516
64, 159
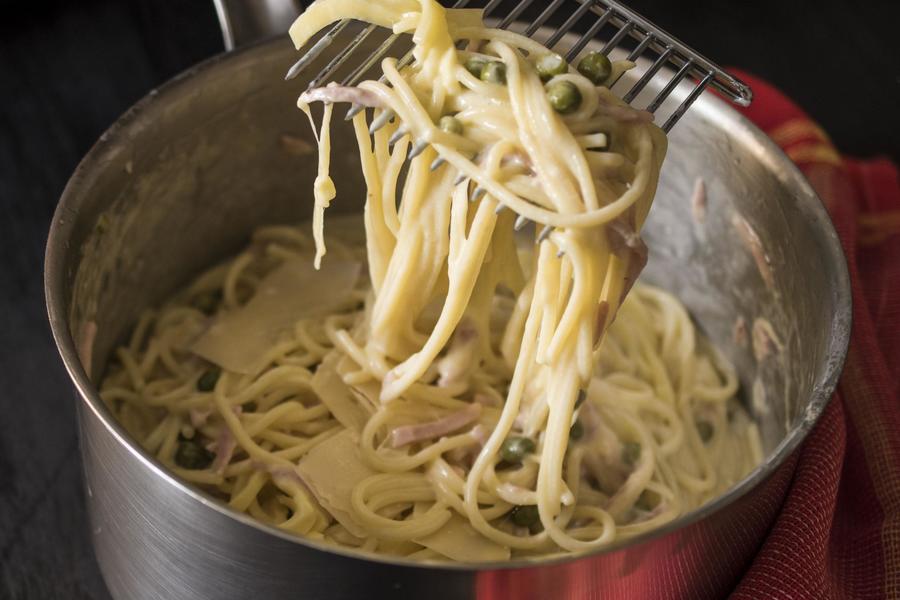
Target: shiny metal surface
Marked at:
178, 182
246, 21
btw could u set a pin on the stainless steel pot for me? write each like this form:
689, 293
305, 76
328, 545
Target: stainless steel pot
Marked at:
179, 181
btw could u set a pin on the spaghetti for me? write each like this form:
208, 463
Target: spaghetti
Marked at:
441, 390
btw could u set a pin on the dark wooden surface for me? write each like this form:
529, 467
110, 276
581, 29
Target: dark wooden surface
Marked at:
68, 69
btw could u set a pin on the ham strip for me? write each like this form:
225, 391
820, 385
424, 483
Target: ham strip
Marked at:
698, 201
199, 417
752, 242
341, 93
409, 434
224, 447
624, 241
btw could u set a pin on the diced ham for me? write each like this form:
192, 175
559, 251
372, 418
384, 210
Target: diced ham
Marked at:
752, 242
739, 331
341, 93
278, 472
600, 321
480, 434
698, 201
199, 417
625, 242
224, 447
410, 434
765, 342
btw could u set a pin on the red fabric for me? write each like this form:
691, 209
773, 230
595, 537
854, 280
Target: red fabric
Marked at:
837, 534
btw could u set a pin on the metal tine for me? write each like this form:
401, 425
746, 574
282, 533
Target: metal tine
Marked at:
523, 4
379, 54
618, 37
417, 149
664, 93
317, 49
398, 135
355, 76
459, 179
646, 77
542, 18
408, 57
520, 223
634, 54
356, 108
568, 25
341, 58
477, 193
686, 104
641, 47
500, 208
380, 121
357, 73
544, 234
736, 90
585, 39
489, 8
437, 163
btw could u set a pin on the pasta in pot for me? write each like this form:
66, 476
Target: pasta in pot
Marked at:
442, 390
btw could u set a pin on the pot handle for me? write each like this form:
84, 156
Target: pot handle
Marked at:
246, 21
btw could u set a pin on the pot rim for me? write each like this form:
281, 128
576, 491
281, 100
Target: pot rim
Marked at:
140, 115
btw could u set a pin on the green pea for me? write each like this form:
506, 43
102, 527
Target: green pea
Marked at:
525, 516
475, 66
550, 65
705, 429
514, 449
451, 125
190, 454
494, 72
577, 431
596, 67
207, 381
631, 452
564, 96
648, 500
207, 302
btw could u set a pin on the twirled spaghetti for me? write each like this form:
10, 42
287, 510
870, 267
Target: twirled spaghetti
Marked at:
441, 390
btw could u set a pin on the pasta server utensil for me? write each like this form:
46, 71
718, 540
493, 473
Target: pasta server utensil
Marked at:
622, 28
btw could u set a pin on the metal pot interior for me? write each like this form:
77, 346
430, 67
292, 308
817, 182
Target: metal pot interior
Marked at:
182, 179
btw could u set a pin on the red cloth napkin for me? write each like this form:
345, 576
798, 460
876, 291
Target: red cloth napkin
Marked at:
838, 532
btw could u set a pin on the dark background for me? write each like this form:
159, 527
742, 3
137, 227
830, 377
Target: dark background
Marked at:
69, 68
